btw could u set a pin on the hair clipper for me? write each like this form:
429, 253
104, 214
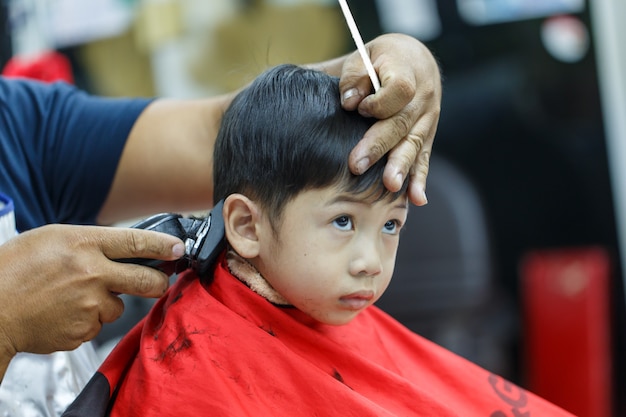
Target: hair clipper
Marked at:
203, 238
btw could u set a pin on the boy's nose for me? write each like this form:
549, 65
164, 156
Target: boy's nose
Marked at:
367, 260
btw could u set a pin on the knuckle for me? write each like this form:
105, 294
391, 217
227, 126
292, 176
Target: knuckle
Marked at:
417, 139
429, 89
430, 92
83, 332
424, 163
75, 343
379, 148
90, 306
404, 157
403, 123
435, 114
136, 243
143, 282
405, 88
407, 161
81, 272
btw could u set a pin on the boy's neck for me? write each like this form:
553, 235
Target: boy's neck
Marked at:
250, 276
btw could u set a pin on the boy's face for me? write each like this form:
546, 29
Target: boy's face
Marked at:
334, 253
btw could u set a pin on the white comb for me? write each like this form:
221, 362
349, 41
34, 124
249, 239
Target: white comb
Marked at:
354, 30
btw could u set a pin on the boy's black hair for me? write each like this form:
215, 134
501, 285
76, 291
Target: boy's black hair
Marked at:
286, 133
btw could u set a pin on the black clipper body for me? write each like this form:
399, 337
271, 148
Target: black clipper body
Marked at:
203, 238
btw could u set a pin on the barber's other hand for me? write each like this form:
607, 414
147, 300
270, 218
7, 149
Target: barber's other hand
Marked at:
407, 106
58, 283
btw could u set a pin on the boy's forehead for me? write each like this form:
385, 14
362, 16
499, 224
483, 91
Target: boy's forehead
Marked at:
343, 193
373, 194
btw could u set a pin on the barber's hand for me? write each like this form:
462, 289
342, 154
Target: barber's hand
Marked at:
407, 104
58, 283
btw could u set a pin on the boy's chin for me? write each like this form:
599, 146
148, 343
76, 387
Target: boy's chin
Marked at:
339, 319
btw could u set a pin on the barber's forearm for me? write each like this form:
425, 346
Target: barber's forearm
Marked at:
167, 163
6, 355
4, 364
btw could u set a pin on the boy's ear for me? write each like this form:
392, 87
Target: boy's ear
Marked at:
241, 222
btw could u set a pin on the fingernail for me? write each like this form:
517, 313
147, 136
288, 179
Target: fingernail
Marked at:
178, 250
424, 197
348, 94
362, 165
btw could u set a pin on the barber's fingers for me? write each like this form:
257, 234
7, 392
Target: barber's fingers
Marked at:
131, 279
407, 136
412, 155
401, 78
113, 243
80, 320
118, 243
126, 278
383, 136
397, 80
59, 282
355, 84
421, 165
407, 106
90, 253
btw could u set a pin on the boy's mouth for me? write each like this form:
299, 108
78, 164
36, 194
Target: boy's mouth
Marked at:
357, 300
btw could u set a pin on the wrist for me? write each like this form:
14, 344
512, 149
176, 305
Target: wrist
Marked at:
7, 352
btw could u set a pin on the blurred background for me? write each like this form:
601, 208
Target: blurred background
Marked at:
517, 261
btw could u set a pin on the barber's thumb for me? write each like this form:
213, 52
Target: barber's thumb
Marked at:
173, 249
137, 243
178, 250
354, 84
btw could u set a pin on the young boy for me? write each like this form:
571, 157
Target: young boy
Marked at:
286, 326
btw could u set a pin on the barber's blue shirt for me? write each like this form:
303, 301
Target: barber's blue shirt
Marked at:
59, 149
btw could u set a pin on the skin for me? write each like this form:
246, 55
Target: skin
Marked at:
332, 254
166, 166
57, 300
407, 106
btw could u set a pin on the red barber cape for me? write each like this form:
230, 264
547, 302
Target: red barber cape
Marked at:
223, 350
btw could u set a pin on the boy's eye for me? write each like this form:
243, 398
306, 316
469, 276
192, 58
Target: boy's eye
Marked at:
390, 227
343, 223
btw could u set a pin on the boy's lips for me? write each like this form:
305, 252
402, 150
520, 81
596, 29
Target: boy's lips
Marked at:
357, 300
